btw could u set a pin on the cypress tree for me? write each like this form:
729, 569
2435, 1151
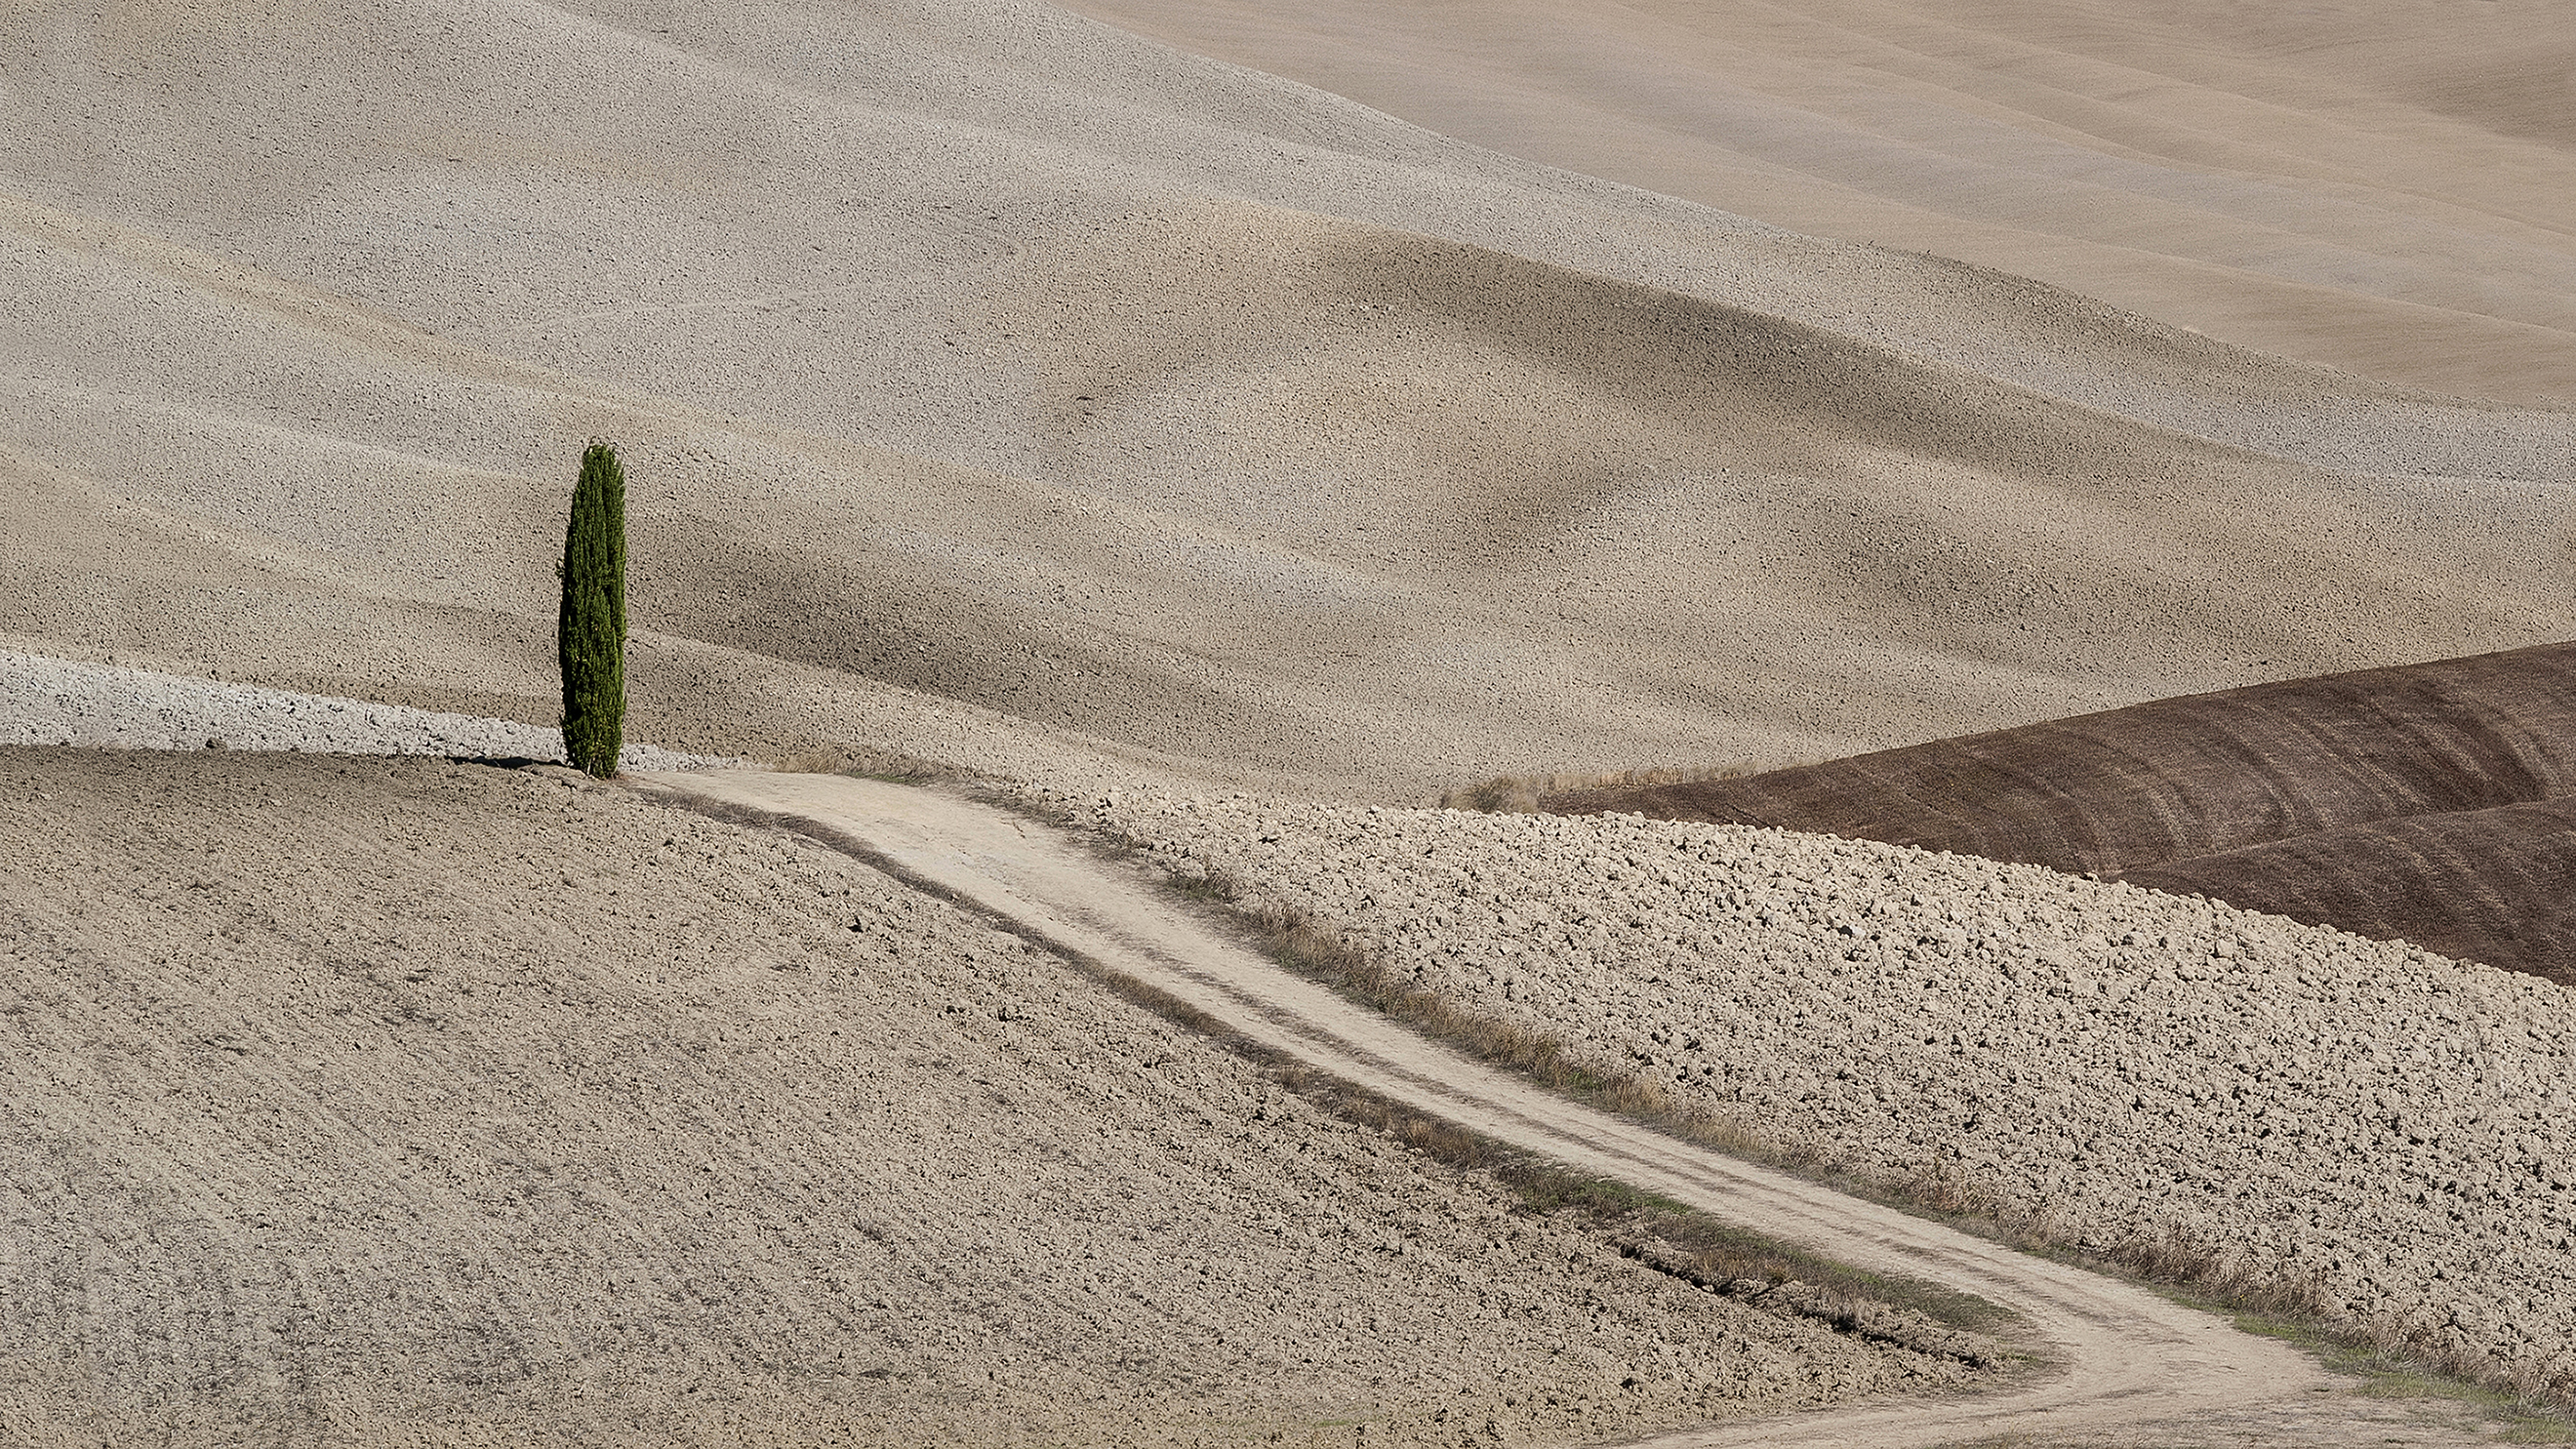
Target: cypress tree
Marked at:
590, 631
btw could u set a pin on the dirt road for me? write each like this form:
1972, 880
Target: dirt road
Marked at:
2131, 1359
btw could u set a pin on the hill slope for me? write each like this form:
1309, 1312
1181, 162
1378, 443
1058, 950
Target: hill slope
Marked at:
2381, 185
980, 356
357, 1101
2365, 1125
2429, 802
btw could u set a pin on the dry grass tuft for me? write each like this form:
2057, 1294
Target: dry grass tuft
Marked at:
830, 759
1522, 794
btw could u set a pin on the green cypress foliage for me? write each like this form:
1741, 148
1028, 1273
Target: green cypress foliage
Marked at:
590, 632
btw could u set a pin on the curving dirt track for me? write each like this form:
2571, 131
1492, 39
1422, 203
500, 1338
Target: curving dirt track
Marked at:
2130, 1358
2428, 802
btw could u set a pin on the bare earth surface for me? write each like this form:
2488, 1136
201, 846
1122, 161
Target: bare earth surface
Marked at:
2123, 1071
2429, 803
105, 706
978, 362
2388, 186
2495, 885
2131, 1362
1185, 445
369, 1100
377, 1102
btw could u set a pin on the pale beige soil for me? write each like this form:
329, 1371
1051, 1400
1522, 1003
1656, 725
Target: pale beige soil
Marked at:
999, 386
2130, 1367
2155, 1078
2386, 186
1008, 392
370, 1102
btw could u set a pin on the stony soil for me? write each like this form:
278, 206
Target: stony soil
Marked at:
2430, 803
358, 1101
2122, 1070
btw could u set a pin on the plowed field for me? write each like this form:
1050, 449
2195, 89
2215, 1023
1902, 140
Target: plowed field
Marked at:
2428, 802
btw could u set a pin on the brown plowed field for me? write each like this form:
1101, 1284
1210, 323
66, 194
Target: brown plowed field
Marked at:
2497, 886
2428, 802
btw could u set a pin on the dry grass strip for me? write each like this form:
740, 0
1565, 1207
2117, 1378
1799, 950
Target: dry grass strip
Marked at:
1520, 794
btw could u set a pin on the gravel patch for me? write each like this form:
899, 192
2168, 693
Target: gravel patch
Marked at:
2122, 1070
47, 701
